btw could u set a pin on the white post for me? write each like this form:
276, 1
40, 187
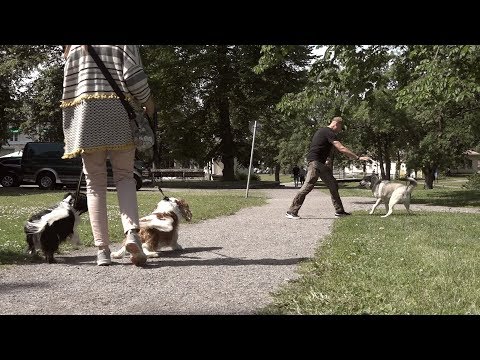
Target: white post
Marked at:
251, 158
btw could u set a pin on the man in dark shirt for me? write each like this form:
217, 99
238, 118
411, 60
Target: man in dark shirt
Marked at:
322, 142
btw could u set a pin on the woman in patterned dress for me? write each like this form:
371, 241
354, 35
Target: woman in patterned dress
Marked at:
96, 126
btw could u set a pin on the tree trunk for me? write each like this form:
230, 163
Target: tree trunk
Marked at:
429, 174
277, 172
226, 143
397, 166
388, 167
225, 128
388, 162
382, 170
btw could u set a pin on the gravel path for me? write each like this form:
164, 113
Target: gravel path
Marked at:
229, 265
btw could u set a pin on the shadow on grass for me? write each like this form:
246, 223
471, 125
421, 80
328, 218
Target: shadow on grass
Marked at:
18, 191
8, 257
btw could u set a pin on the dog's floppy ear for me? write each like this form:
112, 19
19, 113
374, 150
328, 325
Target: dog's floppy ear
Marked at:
184, 209
80, 203
67, 195
68, 198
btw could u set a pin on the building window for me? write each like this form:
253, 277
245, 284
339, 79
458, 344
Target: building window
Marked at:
14, 137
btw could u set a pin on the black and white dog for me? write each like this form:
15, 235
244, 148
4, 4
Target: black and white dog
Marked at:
389, 192
46, 229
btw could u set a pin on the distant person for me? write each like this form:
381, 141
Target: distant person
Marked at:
317, 157
302, 175
296, 173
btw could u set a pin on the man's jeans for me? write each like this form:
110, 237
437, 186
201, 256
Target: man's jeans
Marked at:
317, 170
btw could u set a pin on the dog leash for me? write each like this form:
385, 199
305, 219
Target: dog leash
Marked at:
164, 197
77, 193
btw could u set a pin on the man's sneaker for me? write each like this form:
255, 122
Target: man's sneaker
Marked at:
290, 215
134, 247
103, 257
342, 213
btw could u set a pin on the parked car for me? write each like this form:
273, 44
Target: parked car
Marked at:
42, 164
10, 171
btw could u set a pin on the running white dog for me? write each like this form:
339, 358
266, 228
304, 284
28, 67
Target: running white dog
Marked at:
389, 192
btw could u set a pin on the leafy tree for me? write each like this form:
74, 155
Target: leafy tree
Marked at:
17, 63
381, 129
214, 97
41, 105
284, 71
412, 101
338, 81
173, 86
440, 90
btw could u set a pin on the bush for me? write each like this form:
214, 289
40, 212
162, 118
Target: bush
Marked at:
243, 176
473, 182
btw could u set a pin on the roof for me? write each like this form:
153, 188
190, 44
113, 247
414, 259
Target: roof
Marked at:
471, 153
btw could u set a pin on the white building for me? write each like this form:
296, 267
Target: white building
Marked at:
356, 170
471, 163
16, 142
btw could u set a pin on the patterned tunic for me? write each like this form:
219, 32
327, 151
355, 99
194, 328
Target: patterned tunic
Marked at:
93, 116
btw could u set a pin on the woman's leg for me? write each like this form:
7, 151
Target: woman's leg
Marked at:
122, 167
95, 170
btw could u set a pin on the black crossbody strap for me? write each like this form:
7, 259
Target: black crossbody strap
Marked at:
113, 84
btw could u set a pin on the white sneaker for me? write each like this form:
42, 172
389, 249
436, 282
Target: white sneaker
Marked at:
134, 247
103, 257
289, 215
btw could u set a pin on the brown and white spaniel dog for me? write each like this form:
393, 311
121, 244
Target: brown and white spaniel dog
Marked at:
160, 229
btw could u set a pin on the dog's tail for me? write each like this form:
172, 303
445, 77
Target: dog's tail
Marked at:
412, 184
37, 226
163, 223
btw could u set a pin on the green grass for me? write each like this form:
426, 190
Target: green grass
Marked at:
18, 204
456, 181
271, 177
425, 263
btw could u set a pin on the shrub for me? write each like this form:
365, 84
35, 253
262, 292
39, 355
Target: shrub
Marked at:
473, 182
243, 176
